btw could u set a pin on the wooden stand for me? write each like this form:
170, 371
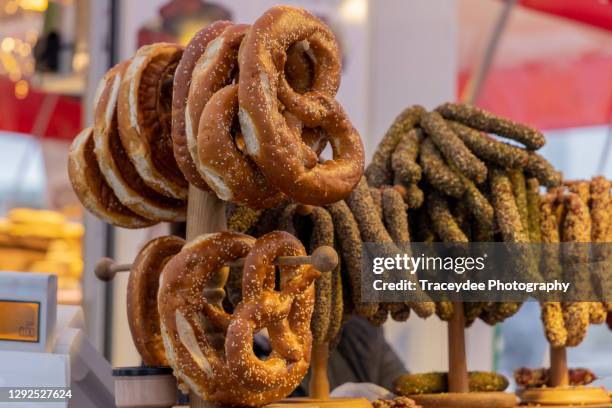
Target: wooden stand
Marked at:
458, 383
560, 394
206, 214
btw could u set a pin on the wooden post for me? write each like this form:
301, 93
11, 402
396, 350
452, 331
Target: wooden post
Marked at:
205, 214
457, 364
318, 387
559, 373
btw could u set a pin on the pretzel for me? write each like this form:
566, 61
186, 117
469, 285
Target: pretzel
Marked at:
194, 324
115, 164
214, 70
143, 284
276, 148
227, 171
286, 315
144, 115
92, 190
182, 80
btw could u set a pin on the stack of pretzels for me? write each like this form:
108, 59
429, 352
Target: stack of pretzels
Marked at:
185, 319
242, 111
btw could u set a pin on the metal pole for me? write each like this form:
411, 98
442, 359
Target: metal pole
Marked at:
479, 75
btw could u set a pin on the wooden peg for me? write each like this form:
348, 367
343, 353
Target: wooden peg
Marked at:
106, 269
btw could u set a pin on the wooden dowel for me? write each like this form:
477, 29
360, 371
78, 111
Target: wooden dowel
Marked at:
559, 373
318, 387
457, 362
324, 259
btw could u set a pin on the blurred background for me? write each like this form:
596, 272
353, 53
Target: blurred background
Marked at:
543, 62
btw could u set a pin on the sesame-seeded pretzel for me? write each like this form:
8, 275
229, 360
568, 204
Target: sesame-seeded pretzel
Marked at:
182, 80
285, 314
144, 108
214, 69
231, 174
194, 324
265, 95
115, 164
91, 188
143, 285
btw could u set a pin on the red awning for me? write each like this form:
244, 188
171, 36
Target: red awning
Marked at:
19, 115
594, 12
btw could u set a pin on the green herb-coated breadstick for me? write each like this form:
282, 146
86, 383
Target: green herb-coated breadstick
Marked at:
490, 149
452, 148
488, 122
437, 172
379, 171
406, 170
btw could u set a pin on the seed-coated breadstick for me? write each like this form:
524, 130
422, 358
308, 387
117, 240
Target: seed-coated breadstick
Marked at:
437, 172
349, 242
519, 189
243, 218
533, 210
395, 217
549, 234
445, 310
452, 148
550, 267
472, 311
406, 170
413, 196
582, 188
379, 317
554, 324
482, 211
401, 314
506, 211
490, 149
597, 313
396, 222
601, 221
444, 223
538, 167
379, 171
322, 234
576, 229
488, 122
377, 200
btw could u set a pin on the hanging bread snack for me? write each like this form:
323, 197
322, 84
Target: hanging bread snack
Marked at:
270, 141
452, 148
226, 169
143, 285
482, 120
404, 159
349, 243
144, 114
437, 173
490, 149
92, 189
576, 229
182, 80
379, 171
115, 163
210, 349
285, 314
601, 225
